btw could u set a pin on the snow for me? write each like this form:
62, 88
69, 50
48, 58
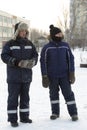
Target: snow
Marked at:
40, 110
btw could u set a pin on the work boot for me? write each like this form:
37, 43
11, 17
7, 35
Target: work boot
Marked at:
27, 120
14, 124
54, 116
74, 118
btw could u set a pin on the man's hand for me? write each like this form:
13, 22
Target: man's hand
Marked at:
45, 81
26, 63
72, 77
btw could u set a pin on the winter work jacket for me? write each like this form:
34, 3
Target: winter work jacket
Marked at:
56, 59
20, 50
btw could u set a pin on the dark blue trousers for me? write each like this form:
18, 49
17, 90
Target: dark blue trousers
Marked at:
54, 87
18, 95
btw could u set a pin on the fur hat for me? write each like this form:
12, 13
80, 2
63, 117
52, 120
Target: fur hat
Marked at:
18, 27
54, 30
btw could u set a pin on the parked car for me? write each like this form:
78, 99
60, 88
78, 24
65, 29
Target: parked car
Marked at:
83, 58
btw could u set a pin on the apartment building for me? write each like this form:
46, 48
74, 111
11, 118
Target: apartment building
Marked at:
7, 22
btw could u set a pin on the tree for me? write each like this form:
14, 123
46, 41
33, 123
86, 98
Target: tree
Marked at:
34, 35
63, 21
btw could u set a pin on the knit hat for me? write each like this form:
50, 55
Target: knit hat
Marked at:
20, 26
54, 30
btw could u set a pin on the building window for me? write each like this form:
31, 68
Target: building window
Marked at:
1, 18
5, 19
9, 20
1, 29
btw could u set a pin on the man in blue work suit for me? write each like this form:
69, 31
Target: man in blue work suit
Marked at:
57, 68
20, 55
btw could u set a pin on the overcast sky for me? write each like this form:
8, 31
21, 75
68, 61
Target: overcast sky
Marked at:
41, 13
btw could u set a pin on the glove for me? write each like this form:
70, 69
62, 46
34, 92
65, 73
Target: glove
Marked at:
27, 63
45, 81
72, 77
13, 62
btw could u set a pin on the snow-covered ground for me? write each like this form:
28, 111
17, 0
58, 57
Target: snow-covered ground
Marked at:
40, 104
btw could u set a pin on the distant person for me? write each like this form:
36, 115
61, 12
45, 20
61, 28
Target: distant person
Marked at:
58, 72
20, 55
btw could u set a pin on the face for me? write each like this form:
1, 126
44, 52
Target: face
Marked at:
59, 34
58, 37
23, 33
